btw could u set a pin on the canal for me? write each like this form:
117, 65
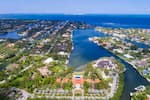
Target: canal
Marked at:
85, 51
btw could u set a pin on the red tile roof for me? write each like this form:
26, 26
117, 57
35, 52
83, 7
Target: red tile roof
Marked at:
77, 80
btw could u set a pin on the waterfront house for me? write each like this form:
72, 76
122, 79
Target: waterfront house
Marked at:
66, 35
141, 63
128, 56
104, 63
63, 53
118, 51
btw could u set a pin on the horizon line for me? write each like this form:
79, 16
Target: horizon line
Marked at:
74, 14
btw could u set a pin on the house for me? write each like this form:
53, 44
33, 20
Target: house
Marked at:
10, 45
92, 81
48, 60
142, 63
2, 56
78, 82
104, 63
128, 56
66, 35
118, 51
63, 53
44, 71
13, 66
23, 58
60, 80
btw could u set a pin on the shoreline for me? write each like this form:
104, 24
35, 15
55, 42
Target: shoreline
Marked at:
72, 48
120, 58
116, 78
3, 36
123, 36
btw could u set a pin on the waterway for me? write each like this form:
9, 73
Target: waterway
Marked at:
138, 44
86, 51
10, 35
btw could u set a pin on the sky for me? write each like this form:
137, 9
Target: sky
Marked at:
75, 6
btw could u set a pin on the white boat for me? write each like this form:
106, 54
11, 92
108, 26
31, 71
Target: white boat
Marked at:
131, 94
140, 88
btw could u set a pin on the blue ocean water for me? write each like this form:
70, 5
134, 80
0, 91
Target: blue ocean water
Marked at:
86, 51
124, 21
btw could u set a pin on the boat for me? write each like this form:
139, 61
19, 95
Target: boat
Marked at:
131, 94
140, 88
